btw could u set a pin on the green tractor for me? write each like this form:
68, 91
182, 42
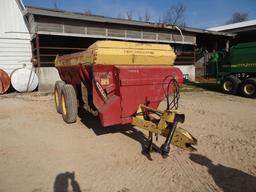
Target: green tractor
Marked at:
236, 70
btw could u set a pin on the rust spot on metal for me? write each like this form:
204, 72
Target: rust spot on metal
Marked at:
5, 81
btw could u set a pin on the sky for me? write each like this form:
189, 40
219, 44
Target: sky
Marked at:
199, 13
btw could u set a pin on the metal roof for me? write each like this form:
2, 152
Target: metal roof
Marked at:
81, 16
234, 26
96, 18
206, 31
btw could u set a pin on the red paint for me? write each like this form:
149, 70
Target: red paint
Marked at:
5, 81
128, 87
110, 111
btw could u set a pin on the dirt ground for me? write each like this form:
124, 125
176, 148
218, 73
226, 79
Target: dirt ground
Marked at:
40, 153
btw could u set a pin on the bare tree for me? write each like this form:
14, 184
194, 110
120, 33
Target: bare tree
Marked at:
147, 15
160, 20
55, 5
238, 17
129, 15
175, 15
87, 12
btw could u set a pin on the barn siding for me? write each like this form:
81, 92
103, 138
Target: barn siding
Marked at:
15, 47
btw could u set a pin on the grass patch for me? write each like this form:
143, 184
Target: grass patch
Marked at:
197, 87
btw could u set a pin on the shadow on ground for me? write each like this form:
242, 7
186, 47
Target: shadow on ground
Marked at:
128, 130
66, 182
227, 178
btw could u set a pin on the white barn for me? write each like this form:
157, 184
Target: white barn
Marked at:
15, 46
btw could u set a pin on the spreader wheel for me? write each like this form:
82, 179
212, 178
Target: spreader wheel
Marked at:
69, 103
57, 95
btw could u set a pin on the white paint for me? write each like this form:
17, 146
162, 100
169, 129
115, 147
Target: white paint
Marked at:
188, 71
234, 26
15, 47
12, 23
24, 80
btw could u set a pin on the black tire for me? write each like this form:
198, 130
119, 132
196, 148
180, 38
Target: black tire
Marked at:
230, 85
69, 103
57, 95
248, 88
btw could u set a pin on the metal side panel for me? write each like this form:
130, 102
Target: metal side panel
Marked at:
143, 85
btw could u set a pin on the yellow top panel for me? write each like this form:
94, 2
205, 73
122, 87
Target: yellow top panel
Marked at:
120, 53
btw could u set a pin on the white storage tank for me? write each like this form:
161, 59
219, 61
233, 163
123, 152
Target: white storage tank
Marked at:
24, 80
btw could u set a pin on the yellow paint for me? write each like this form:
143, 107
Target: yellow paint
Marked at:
184, 140
181, 137
147, 125
63, 104
121, 53
167, 117
57, 98
104, 81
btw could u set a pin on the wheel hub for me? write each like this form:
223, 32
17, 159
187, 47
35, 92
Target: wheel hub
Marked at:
57, 98
228, 85
249, 89
63, 104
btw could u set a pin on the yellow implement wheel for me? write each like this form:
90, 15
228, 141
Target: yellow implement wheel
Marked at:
69, 105
249, 88
227, 86
63, 105
57, 95
230, 84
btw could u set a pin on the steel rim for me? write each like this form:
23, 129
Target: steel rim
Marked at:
249, 89
228, 85
57, 98
63, 104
